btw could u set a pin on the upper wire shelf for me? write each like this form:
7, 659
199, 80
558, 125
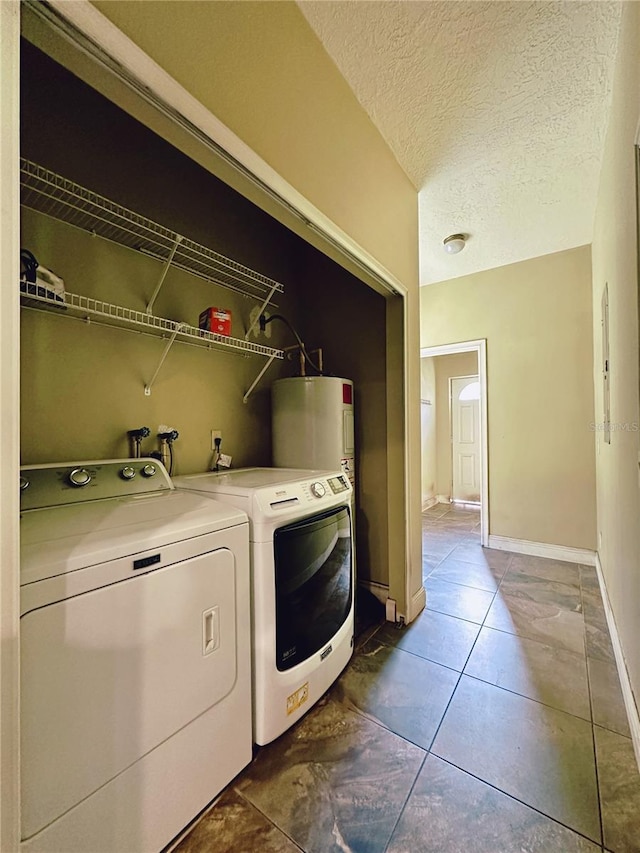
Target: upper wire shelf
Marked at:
46, 192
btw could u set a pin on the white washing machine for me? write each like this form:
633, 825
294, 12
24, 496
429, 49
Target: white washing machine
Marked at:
135, 655
302, 583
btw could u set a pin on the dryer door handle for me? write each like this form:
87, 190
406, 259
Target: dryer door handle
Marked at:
210, 630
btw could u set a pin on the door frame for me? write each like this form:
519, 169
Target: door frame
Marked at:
451, 378
9, 428
480, 348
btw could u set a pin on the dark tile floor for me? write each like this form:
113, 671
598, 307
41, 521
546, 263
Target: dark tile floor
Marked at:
494, 723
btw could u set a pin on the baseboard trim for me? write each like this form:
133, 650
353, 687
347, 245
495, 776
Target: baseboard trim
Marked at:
429, 503
466, 505
543, 549
380, 590
417, 604
633, 713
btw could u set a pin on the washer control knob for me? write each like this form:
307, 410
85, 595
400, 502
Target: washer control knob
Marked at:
79, 477
24, 484
149, 471
317, 490
128, 473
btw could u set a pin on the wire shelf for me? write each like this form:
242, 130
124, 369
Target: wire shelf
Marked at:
46, 192
83, 307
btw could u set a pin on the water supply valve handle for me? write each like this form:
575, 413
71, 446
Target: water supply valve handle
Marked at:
143, 432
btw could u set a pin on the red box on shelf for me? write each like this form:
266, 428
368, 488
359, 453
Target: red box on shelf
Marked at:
216, 320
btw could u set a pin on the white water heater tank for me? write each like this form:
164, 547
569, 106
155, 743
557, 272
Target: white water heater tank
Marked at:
312, 423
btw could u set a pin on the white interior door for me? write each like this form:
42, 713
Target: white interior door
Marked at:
465, 438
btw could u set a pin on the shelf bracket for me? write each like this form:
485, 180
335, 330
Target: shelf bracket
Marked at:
258, 378
259, 314
149, 385
165, 270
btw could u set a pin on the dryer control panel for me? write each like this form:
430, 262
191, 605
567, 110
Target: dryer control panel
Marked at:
57, 484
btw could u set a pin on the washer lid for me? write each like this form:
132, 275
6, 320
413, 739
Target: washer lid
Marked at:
62, 539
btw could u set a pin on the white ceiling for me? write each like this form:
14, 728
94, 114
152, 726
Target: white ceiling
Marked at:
497, 112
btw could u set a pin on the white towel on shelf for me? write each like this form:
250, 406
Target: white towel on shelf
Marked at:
52, 284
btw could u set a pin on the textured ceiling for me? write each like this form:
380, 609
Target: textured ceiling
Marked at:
496, 111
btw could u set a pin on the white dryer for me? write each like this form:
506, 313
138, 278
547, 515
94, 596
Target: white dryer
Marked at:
135, 655
302, 583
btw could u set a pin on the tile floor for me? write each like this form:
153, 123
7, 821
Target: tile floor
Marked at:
494, 723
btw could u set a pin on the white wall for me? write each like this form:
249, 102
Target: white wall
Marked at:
428, 414
615, 261
536, 318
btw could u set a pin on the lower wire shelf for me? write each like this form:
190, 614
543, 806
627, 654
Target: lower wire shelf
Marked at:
83, 307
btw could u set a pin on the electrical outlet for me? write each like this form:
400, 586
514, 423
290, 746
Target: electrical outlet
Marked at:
253, 319
215, 433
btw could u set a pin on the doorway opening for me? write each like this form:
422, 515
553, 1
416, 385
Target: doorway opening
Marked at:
454, 428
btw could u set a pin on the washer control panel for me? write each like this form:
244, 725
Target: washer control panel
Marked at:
319, 492
317, 489
65, 483
339, 484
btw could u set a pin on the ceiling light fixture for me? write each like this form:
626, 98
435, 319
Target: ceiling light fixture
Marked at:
454, 243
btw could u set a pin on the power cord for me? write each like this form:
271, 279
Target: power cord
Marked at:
264, 321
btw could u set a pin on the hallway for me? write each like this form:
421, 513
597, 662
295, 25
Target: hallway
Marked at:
494, 723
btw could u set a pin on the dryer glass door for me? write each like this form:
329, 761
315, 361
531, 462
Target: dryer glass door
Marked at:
314, 584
